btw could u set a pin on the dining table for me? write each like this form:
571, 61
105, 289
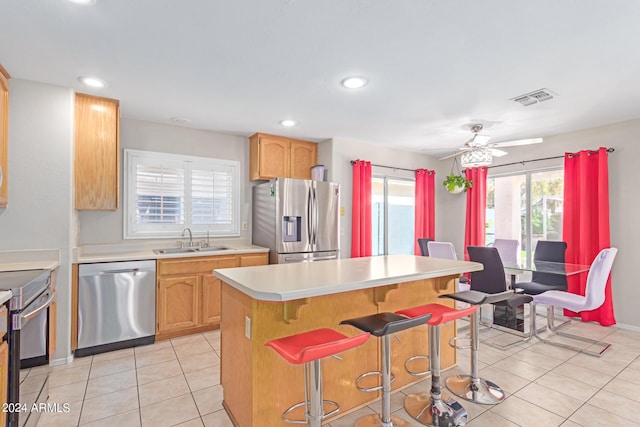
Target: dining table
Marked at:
514, 318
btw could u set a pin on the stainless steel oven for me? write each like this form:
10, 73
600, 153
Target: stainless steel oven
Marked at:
28, 331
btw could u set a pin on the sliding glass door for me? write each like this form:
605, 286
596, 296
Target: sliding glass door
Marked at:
393, 210
527, 207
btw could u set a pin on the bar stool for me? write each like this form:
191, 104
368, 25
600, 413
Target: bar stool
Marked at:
471, 387
383, 325
434, 408
308, 348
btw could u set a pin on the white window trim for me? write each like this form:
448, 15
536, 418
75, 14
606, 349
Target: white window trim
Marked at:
130, 230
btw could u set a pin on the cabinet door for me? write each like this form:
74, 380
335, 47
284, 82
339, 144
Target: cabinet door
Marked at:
210, 299
274, 157
303, 155
97, 153
4, 379
177, 303
4, 136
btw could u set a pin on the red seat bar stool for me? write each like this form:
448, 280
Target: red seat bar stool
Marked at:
435, 408
308, 348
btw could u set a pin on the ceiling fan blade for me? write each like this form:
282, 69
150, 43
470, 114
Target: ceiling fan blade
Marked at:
517, 142
451, 155
497, 153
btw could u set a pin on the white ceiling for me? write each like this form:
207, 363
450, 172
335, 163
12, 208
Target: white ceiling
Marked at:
241, 66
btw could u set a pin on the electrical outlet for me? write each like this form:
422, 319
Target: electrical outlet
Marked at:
245, 226
247, 327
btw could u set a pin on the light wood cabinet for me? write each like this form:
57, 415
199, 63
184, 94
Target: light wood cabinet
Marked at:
97, 153
274, 156
4, 137
178, 301
188, 294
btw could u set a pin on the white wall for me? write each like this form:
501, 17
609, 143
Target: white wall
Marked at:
98, 227
624, 203
39, 214
340, 170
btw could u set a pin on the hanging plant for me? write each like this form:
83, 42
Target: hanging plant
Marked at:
456, 182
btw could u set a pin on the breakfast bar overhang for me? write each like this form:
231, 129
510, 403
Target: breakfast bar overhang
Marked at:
268, 302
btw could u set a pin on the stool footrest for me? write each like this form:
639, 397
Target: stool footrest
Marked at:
417, 373
452, 342
305, 404
368, 374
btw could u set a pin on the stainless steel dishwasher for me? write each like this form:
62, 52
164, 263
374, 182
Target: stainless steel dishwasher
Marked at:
116, 306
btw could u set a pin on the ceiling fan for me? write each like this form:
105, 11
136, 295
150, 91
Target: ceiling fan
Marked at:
478, 151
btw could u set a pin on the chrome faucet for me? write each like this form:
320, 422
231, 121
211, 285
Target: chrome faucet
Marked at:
190, 236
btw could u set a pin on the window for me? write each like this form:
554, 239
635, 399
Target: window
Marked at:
166, 193
393, 209
527, 207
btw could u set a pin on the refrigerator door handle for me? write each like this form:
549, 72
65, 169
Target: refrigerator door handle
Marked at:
315, 217
309, 217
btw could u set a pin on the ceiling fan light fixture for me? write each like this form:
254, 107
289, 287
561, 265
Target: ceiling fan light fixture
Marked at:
476, 157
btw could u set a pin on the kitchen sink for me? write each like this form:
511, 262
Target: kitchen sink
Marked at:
189, 250
175, 250
213, 249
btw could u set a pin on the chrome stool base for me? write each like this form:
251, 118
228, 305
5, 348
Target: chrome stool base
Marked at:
449, 412
374, 420
483, 391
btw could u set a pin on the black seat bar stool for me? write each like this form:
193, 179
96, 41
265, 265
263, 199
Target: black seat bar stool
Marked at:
383, 325
471, 387
435, 408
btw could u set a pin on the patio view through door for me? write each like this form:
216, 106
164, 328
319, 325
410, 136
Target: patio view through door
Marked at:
393, 210
526, 206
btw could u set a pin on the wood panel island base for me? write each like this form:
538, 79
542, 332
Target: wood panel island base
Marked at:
267, 302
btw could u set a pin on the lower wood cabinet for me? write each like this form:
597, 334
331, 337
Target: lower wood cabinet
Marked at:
188, 294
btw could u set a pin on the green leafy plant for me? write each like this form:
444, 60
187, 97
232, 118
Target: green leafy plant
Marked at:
456, 183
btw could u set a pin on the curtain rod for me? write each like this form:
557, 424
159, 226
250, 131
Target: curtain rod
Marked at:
609, 150
353, 162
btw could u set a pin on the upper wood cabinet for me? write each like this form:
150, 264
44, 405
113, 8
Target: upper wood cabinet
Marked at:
4, 137
97, 153
274, 156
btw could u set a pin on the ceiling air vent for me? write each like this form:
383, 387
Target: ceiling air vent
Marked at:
534, 97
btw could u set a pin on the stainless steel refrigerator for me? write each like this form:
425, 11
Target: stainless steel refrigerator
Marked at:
297, 219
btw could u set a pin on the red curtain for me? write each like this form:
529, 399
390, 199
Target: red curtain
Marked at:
425, 218
585, 224
475, 224
361, 210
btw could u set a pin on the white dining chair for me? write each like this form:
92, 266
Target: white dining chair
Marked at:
508, 250
446, 250
593, 298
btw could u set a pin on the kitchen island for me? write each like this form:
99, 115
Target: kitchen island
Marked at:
267, 302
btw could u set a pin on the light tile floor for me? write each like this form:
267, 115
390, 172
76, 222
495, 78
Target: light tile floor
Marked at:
177, 383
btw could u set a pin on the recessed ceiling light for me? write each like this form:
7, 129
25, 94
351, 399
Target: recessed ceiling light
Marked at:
84, 2
354, 82
288, 123
180, 120
93, 81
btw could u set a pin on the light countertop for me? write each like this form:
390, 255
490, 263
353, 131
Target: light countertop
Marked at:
5, 296
132, 253
29, 259
29, 265
285, 282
